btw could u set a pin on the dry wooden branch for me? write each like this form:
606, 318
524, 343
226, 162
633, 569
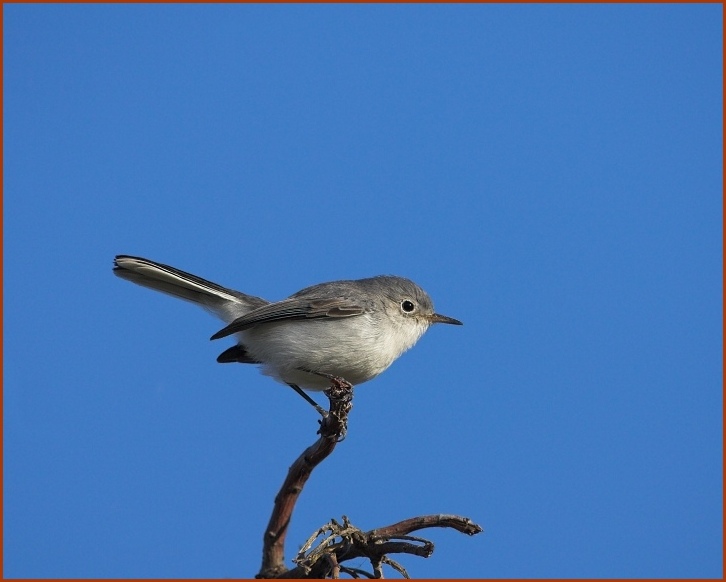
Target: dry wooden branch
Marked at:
332, 430
341, 542
347, 542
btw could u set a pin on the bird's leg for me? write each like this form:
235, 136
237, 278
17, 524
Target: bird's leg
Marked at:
310, 401
336, 381
338, 384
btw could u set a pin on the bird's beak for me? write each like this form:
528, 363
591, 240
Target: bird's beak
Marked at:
436, 318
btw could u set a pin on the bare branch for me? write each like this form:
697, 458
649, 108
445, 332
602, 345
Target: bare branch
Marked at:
461, 524
347, 542
340, 542
332, 430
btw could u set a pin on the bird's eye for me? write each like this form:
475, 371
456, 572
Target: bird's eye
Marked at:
407, 306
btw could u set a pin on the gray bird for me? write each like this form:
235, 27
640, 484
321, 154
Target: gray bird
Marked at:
349, 329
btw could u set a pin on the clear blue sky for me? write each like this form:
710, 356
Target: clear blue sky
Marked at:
551, 175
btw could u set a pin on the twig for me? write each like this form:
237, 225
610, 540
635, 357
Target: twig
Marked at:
405, 527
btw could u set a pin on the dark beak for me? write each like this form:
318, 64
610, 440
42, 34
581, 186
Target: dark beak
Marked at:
436, 318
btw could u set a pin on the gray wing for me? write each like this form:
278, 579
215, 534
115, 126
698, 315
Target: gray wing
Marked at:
293, 308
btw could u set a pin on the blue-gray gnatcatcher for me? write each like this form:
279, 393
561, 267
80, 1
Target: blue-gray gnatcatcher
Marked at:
349, 329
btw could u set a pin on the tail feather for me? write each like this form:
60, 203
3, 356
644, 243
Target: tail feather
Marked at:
225, 303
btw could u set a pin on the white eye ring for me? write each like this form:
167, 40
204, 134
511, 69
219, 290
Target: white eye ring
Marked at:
407, 306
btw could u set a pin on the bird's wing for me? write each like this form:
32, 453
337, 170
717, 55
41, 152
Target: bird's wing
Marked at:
294, 308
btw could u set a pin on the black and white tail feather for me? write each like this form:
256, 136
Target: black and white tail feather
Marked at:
227, 304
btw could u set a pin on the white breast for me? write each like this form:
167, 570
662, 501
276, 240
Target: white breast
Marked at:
354, 348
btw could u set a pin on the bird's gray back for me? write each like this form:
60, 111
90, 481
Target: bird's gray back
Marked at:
369, 290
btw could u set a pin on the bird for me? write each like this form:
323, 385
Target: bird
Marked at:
348, 329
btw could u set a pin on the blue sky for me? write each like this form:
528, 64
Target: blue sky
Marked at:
551, 175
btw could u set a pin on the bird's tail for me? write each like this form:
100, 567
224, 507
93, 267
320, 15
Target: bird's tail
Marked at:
226, 303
